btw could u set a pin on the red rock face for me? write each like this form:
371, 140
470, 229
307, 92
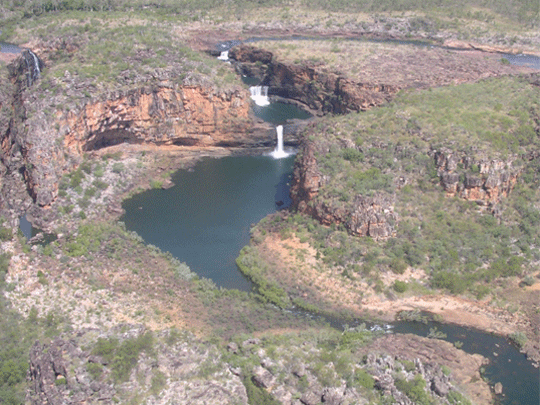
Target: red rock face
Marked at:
326, 92
160, 115
320, 90
493, 178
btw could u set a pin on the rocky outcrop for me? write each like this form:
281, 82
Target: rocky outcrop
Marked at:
250, 54
320, 90
52, 383
63, 373
297, 374
485, 181
428, 355
372, 216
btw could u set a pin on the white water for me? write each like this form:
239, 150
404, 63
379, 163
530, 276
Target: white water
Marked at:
259, 94
279, 153
33, 74
36, 63
224, 55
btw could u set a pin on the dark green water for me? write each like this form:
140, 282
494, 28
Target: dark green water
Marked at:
205, 219
278, 113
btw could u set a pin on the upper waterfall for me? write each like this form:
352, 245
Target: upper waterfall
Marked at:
33, 66
259, 94
224, 56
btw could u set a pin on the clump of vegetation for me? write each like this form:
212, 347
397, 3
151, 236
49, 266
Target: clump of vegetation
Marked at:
415, 390
255, 269
519, 338
5, 233
123, 356
400, 286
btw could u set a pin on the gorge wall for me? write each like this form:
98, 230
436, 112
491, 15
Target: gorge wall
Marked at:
322, 91
43, 139
482, 179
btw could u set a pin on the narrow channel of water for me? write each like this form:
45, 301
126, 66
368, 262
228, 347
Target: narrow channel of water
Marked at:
520, 379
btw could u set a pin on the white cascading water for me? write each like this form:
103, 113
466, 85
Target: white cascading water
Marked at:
224, 55
33, 72
36, 63
278, 152
259, 94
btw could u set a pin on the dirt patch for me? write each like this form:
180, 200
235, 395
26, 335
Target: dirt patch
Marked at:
295, 265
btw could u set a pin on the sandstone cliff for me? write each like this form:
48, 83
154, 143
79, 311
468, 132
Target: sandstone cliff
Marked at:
485, 181
53, 125
320, 90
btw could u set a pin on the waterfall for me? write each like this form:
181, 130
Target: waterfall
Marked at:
259, 94
224, 55
278, 152
36, 64
33, 66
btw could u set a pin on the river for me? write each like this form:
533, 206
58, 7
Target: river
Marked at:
205, 220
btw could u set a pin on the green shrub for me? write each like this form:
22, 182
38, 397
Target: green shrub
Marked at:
364, 379
41, 278
353, 155
257, 395
519, 338
76, 178
456, 398
118, 167
400, 286
408, 365
155, 184
158, 383
415, 390
123, 356
101, 185
452, 282
106, 348
94, 369
252, 267
60, 381
5, 234
398, 265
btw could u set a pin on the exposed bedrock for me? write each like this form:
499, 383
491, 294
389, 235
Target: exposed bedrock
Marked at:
483, 180
320, 90
480, 178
